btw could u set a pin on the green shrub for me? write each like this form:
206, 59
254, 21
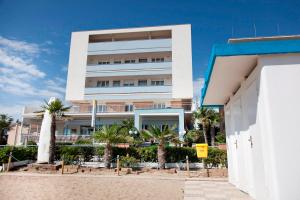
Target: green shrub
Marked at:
128, 161
216, 157
148, 154
19, 153
178, 154
221, 138
31, 142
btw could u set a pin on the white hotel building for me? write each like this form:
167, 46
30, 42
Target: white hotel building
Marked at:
139, 73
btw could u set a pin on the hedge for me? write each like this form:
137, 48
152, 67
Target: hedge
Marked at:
69, 154
19, 153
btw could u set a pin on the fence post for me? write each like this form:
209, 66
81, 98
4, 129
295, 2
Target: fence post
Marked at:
62, 166
118, 165
187, 166
9, 161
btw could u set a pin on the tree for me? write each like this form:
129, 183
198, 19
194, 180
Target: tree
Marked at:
162, 137
127, 125
110, 135
56, 109
214, 123
209, 119
5, 122
203, 114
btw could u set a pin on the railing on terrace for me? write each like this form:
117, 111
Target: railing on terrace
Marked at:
114, 108
59, 138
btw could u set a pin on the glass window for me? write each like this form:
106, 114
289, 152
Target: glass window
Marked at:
117, 62
158, 59
159, 105
128, 108
102, 83
129, 61
157, 82
143, 60
103, 62
145, 126
116, 83
142, 83
128, 83
101, 108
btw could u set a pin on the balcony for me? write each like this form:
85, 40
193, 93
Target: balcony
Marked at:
135, 46
132, 69
124, 93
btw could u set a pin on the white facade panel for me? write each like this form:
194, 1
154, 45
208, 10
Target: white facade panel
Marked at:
263, 138
77, 66
182, 78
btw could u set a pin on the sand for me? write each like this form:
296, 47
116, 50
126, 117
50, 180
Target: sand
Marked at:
40, 186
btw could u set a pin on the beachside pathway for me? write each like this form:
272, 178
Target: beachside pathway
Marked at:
212, 190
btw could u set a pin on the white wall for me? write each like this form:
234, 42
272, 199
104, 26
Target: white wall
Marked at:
266, 109
182, 77
77, 66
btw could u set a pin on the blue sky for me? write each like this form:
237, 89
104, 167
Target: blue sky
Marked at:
35, 35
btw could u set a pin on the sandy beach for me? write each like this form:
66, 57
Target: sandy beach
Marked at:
37, 186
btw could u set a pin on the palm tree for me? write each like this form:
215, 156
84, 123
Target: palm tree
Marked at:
162, 137
5, 122
203, 115
214, 122
56, 109
127, 125
109, 135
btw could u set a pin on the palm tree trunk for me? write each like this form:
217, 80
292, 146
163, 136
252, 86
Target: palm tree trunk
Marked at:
205, 134
107, 156
161, 156
212, 135
52, 140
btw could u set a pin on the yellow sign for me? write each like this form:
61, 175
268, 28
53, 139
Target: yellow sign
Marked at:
202, 150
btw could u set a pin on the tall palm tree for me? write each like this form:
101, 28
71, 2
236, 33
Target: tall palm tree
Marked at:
56, 109
203, 115
162, 137
214, 122
109, 135
5, 122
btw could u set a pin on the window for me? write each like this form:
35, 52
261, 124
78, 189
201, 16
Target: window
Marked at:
159, 105
142, 83
128, 108
73, 131
129, 61
101, 108
102, 83
158, 82
145, 126
128, 83
158, 59
143, 60
116, 83
117, 62
103, 62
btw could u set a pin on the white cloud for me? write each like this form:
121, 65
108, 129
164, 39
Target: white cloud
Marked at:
22, 46
22, 81
16, 62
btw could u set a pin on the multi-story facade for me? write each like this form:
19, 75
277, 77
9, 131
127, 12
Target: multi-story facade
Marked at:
139, 73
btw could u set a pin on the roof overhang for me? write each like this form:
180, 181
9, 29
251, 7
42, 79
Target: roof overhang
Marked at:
230, 64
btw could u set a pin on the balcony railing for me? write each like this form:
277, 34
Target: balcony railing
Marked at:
130, 69
134, 46
129, 92
58, 138
114, 108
